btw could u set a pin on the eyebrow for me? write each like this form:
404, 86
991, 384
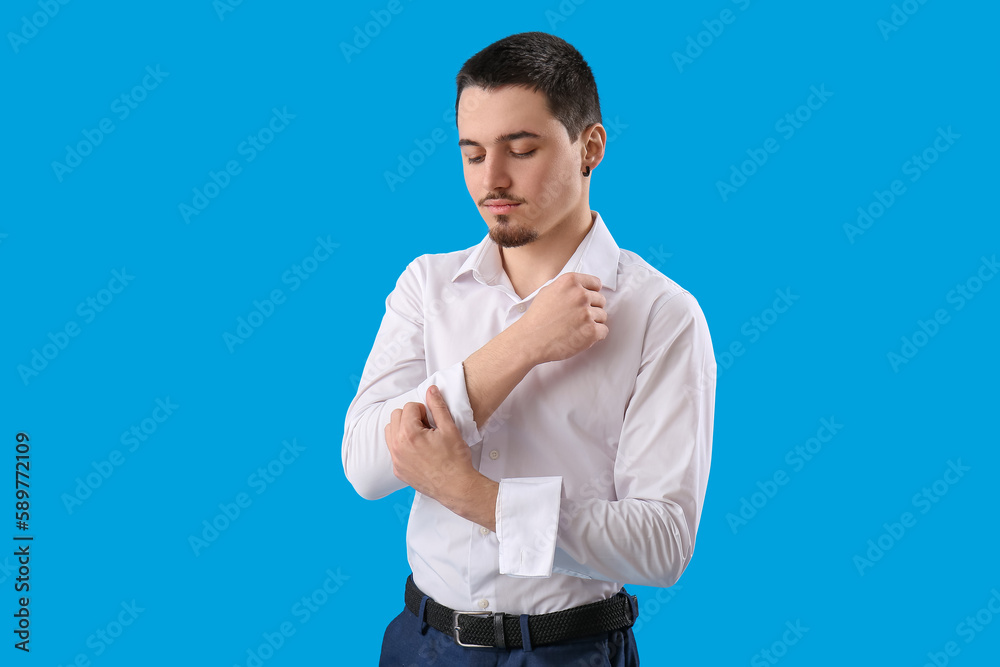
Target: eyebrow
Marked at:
511, 136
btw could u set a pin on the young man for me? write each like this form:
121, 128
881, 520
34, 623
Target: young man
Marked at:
549, 396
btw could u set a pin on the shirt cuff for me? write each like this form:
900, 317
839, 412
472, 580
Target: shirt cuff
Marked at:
451, 382
527, 518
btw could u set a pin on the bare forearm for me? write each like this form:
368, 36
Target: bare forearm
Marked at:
492, 372
473, 497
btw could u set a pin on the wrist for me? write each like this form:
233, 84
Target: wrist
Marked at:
520, 348
476, 499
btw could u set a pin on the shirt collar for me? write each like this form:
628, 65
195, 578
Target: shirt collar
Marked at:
597, 255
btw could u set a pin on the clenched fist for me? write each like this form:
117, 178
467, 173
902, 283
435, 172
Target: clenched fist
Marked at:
566, 317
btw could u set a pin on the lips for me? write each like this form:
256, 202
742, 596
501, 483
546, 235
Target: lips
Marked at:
498, 207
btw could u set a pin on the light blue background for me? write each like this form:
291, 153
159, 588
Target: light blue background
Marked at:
324, 176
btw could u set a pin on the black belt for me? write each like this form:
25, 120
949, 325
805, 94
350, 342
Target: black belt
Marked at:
487, 628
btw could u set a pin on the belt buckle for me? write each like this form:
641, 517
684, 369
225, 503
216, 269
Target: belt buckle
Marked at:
455, 626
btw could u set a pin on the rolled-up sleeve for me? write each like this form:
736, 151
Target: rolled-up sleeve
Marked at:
646, 535
395, 374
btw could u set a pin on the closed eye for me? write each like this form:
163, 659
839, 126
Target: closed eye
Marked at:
478, 159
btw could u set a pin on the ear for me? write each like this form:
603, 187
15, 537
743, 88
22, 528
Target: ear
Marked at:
593, 140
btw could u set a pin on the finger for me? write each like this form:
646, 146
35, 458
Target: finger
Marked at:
390, 438
412, 417
394, 422
439, 409
598, 314
590, 281
598, 299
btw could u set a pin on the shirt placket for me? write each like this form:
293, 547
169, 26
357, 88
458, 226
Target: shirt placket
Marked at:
484, 560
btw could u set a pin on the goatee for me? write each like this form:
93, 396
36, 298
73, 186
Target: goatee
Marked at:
511, 235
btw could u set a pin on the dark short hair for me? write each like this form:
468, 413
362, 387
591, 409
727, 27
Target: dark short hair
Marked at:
539, 61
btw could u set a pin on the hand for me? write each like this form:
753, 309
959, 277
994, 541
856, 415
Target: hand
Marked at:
434, 461
566, 317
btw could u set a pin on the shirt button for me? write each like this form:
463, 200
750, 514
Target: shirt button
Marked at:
484, 603
521, 308
484, 530
494, 454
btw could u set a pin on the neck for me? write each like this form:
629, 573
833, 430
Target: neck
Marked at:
533, 264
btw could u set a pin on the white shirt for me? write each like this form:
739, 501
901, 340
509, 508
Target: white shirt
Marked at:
602, 458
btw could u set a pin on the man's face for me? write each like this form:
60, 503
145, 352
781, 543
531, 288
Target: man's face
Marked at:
514, 151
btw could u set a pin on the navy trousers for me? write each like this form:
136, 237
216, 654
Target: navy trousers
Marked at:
407, 644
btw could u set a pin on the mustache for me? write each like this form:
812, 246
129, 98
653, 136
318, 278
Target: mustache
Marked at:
500, 195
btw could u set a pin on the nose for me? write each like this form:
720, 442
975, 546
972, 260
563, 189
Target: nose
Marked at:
495, 173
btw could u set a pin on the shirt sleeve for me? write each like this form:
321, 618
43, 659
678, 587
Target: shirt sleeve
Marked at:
646, 536
527, 515
395, 374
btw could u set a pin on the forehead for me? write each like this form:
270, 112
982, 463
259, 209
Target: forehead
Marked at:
506, 109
